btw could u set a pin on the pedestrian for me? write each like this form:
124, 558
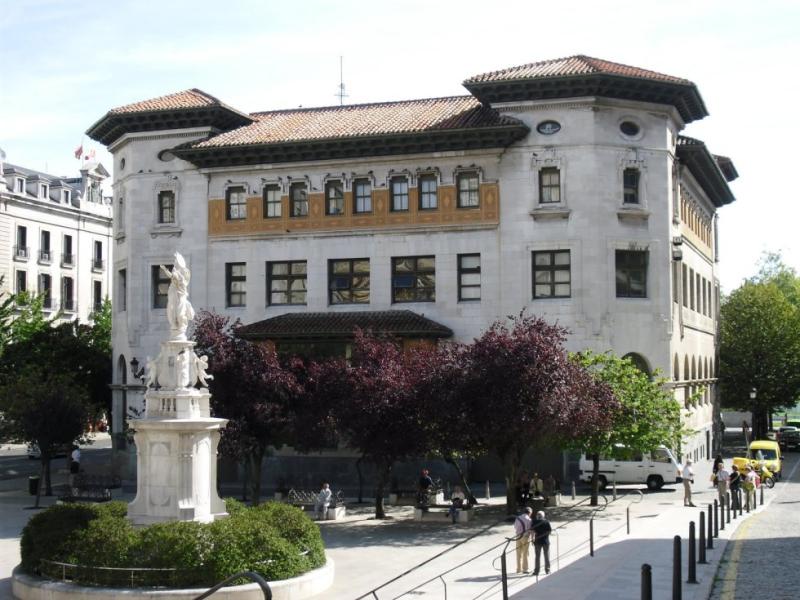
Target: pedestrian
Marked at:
458, 500
540, 528
423, 487
749, 486
323, 502
723, 482
522, 531
537, 485
735, 485
687, 474
717, 461
549, 490
74, 464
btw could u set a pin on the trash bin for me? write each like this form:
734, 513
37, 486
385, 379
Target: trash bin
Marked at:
33, 484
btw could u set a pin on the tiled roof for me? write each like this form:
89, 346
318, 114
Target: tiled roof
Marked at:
193, 98
362, 120
712, 172
400, 323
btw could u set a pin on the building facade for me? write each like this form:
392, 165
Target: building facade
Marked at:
56, 238
563, 188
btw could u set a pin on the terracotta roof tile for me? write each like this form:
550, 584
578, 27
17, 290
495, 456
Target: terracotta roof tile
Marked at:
571, 65
386, 118
401, 323
193, 98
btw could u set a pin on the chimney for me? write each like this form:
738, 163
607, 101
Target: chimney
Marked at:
3, 185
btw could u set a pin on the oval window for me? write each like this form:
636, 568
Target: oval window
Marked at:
548, 127
121, 164
629, 128
166, 155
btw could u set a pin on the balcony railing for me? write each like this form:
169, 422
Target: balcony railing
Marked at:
21, 252
45, 256
67, 260
98, 264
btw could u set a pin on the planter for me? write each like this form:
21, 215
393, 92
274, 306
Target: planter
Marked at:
28, 587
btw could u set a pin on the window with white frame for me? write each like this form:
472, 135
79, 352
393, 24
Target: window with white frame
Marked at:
552, 276
469, 277
468, 189
362, 195
235, 203
298, 199
399, 191
272, 201
549, 185
334, 197
428, 192
166, 207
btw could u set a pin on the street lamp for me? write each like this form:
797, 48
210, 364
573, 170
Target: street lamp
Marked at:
135, 370
753, 394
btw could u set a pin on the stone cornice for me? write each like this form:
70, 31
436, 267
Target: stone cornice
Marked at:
65, 211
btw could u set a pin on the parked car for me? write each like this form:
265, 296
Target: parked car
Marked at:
789, 437
35, 454
624, 466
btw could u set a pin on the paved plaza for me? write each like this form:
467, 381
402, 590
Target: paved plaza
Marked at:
368, 553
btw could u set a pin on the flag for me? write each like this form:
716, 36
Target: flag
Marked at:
91, 154
79, 151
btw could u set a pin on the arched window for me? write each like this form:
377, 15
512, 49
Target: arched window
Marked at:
686, 374
676, 368
122, 370
694, 369
639, 361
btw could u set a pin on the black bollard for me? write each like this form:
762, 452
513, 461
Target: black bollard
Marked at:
692, 555
710, 535
729, 510
504, 574
591, 537
647, 582
677, 591
762, 495
702, 547
723, 502
716, 518
628, 514
741, 504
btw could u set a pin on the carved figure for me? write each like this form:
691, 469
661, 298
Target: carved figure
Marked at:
179, 309
152, 372
182, 366
201, 366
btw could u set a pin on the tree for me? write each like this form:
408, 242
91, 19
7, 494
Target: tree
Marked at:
760, 350
45, 407
21, 315
772, 269
377, 410
251, 389
518, 388
644, 416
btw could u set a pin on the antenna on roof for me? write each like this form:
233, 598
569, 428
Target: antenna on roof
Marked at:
341, 93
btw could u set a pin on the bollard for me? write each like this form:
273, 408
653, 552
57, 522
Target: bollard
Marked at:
573, 490
614, 487
710, 536
725, 501
692, 555
504, 574
677, 592
647, 582
488, 491
591, 536
702, 547
716, 518
729, 509
762, 494
739, 495
628, 518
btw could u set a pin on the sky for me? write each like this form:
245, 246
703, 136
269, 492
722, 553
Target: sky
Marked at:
63, 65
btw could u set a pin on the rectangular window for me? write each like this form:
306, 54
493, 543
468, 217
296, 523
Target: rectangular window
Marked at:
551, 274
698, 301
21, 249
414, 279
631, 268
67, 293
122, 290
121, 215
44, 246
166, 206
334, 198
160, 285
298, 197
428, 192
468, 196
20, 186
362, 192
469, 277
684, 286
272, 202
97, 296
66, 196
399, 187
67, 258
235, 203
348, 281
235, 284
691, 289
549, 185
22, 282
97, 258
630, 184
46, 290
44, 190
286, 282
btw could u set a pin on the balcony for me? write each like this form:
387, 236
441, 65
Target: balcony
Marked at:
67, 260
98, 264
45, 257
21, 252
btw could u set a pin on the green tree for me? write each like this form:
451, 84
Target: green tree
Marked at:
772, 269
760, 349
648, 416
21, 315
42, 406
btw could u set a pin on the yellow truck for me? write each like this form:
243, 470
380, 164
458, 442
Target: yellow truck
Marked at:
766, 452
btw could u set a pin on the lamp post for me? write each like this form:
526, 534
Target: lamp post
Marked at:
753, 395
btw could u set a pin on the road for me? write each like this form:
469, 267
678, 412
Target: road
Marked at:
14, 461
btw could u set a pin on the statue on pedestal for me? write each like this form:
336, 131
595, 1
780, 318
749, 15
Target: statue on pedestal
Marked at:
179, 309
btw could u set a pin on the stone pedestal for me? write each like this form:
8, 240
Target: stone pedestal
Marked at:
176, 442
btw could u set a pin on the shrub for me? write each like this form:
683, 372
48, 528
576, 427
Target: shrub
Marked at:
105, 542
293, 525
180, 545
233, 506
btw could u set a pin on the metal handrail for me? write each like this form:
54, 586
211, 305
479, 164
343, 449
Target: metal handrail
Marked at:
254, 577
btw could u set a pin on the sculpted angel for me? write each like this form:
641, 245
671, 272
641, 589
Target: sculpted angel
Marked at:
179, 309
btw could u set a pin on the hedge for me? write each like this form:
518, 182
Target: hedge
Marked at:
275, 540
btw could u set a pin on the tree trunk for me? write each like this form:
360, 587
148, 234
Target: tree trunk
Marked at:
256, 459
246, 477
468, 492
383, 476
41, 483
48, 487
511, 468
360, 480
595, 478
760, 423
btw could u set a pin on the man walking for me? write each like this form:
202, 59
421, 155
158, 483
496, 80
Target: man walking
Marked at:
688, 479
723, 482
323, 502
522, 528
540, 529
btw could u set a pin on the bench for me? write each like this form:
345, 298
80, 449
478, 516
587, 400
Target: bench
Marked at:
91, 488
441, 514
307, 501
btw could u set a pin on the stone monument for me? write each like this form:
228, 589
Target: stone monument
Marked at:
176, 440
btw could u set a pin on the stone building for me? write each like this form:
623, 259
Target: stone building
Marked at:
55, 237
562, 187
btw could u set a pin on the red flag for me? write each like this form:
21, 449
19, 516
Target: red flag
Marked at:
79, 151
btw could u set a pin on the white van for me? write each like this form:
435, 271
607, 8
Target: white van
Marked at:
624, 466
